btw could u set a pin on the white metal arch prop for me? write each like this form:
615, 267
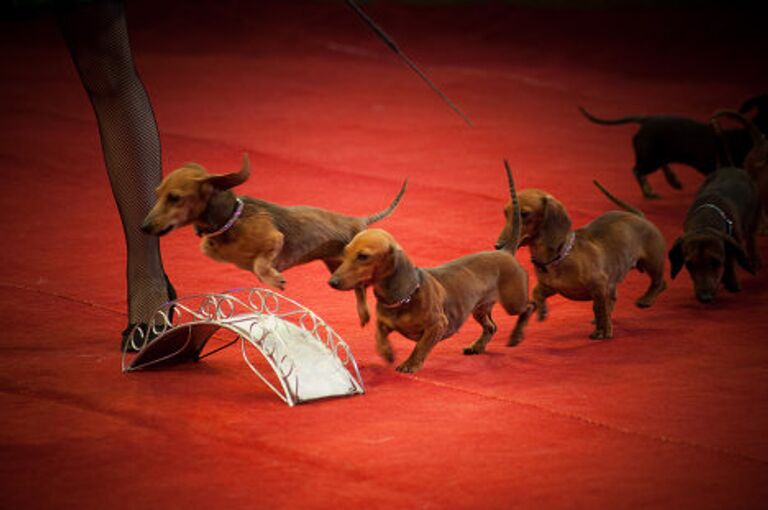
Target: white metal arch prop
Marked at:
309, 359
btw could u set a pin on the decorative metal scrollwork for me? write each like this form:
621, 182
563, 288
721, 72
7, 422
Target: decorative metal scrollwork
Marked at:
308, 357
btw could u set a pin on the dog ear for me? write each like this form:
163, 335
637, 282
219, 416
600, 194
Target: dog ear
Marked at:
403, 278
555, 223
676, 258
734, 248
227, 181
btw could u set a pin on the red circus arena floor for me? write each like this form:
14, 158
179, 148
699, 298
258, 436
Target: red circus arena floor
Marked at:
669, 414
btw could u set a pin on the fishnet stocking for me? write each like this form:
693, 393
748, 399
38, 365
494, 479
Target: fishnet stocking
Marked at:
97, 38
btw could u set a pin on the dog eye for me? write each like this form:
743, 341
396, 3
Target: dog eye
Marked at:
362, 257
172, 198
524, 214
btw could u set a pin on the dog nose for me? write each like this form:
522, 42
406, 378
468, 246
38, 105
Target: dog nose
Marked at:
146, 228
334, 282
705, 297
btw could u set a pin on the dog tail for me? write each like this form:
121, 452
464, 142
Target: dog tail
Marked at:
616, 200
757, 136
514, 237
754, 131
386, 212
753, 102
611, 122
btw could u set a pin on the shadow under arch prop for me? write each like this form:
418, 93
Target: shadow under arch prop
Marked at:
310, 361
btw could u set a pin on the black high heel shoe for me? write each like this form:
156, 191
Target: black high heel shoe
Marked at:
125, 346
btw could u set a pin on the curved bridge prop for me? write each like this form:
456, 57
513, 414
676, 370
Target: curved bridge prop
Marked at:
310, 361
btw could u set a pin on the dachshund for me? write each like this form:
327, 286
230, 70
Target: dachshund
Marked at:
428, 305
720, 231
756, 162
664, 139
587, 264
254, 235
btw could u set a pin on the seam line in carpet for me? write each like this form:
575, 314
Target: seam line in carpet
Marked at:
596, 423
59, 296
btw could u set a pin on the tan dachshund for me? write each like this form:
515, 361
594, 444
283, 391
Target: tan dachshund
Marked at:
428, 305
252, 234
587, 264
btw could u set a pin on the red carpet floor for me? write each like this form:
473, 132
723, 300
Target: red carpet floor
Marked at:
669, 414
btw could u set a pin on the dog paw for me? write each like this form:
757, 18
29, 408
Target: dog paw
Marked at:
365, 318
599, 334
407, 368
472, 350
514, 339
277, 281
643, 303
674, 181
387, 355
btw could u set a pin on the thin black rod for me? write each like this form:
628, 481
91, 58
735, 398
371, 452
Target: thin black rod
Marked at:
394, 47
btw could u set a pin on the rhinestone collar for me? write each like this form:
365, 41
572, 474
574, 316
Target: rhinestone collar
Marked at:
231, 221
404, 301
721, 213
564, 252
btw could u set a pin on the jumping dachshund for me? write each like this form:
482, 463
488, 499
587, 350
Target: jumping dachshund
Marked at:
252, 234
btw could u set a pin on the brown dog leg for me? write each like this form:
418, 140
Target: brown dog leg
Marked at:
517, 334
362, 306
642, 180
601, 305
262, 264
383, 347
655, 270
671, 177
482, 314
268, 274
423, 347
540, 295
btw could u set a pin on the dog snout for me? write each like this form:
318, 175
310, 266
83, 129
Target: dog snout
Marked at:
705, 297
335, 282
146, 227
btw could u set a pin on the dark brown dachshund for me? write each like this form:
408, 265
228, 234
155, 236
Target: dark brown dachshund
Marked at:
252, 234
588, 264
719, 231
756, 162
428, 305
664, 139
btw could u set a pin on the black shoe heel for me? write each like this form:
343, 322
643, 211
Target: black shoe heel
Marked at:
125, 346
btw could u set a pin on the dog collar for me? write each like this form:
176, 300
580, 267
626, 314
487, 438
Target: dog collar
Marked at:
402, 302
564, 252
721, 213
231, 221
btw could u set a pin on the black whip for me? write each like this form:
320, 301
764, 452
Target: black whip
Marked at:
394, 47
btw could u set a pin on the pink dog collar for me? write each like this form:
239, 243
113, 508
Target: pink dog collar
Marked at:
231, 221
